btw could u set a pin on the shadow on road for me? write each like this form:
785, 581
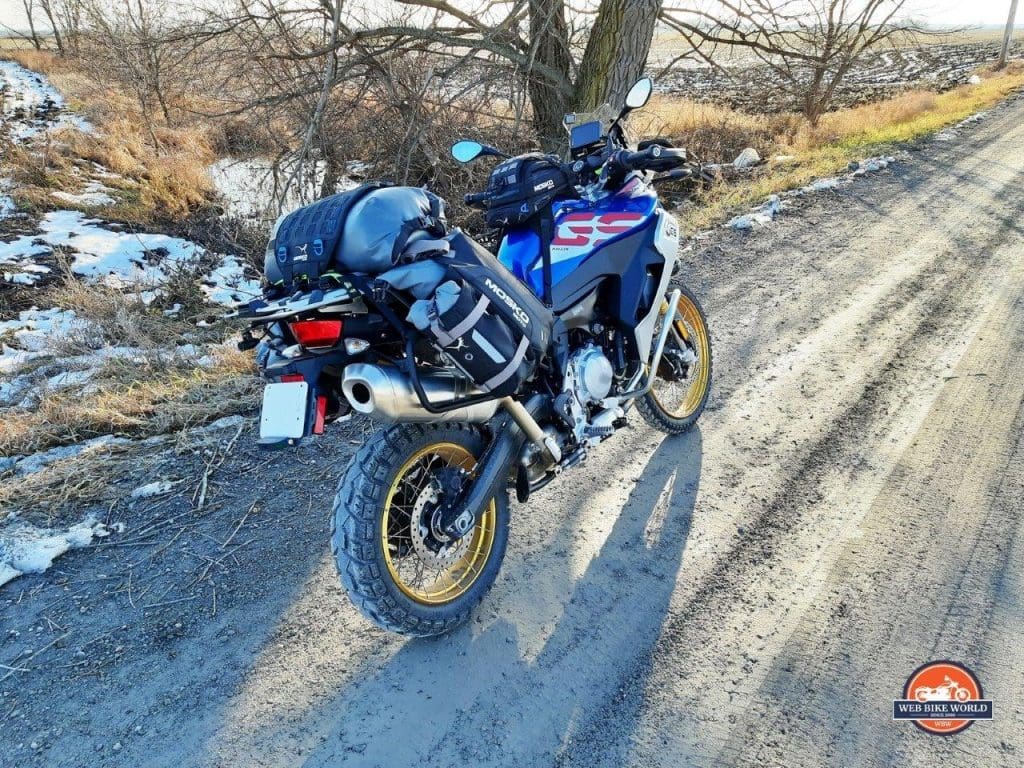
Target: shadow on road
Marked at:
478, 696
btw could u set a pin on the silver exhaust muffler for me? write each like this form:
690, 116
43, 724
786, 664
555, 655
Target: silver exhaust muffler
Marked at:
385, 393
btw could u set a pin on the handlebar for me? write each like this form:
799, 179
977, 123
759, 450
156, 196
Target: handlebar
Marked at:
476, 199
653, 158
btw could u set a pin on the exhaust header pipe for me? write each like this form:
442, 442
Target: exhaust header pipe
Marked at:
385, 393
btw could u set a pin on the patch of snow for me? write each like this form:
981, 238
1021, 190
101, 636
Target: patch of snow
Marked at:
38, 461
974, 80
766, 213
94, 194
759, 217
31, 104
12, 359
822, 185
69, 379
247, 186
122, 259
7, 206
20, 278
953, 133
24, 548
156, 488
222, 423
35, 327
228, 285
975, 118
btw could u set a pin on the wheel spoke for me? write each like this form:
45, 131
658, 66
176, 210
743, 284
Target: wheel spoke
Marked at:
423, 575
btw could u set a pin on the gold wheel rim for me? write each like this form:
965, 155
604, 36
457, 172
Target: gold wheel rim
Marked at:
432, 583
680, 399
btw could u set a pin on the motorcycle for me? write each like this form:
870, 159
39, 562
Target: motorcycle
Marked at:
950, 690
506, 370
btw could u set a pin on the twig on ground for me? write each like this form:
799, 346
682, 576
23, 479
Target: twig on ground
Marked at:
44, 648
168, 602
240, 524
218, 458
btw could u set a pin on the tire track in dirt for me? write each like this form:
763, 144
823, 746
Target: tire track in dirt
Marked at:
926, 535
752, 568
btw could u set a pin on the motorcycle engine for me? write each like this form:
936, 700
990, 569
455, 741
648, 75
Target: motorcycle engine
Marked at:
591, 375
588, 382
583, 406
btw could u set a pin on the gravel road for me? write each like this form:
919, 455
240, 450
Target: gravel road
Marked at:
755, 593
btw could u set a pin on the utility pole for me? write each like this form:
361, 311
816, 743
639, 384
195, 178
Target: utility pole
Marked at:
1007, 36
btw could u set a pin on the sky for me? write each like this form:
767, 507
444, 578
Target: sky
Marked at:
936, 12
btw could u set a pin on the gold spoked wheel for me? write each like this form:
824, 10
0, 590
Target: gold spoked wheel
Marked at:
424, 569
683, 379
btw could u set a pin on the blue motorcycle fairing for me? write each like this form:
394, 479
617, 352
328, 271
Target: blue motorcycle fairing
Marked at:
581, 230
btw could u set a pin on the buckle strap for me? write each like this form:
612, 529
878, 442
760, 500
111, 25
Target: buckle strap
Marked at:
447, 337
505, 373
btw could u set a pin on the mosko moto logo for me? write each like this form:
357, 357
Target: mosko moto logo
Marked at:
520, 315
942, 697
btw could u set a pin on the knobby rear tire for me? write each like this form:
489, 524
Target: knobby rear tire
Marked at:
356, 532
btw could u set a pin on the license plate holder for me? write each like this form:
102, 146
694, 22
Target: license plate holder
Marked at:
285, 407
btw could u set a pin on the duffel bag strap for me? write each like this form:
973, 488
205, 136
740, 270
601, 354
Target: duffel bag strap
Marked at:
447, 337
505, 373
546, 231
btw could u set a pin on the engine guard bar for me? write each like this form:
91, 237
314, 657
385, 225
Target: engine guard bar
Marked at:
659, 350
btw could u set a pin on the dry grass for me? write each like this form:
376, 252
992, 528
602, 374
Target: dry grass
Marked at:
135, 399
712, 132
113, 318
172, 181
822, 150
45, 62
164, 182
150, 390
154, 391
43, 497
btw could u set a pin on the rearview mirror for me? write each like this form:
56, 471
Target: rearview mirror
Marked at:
466, 151
639, 93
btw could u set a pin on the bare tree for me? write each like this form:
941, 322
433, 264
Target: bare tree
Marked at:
30, 14
809, 45
532, 39
1007, 35
141, 45
32, 35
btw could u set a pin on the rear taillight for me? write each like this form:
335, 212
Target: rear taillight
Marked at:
314, 334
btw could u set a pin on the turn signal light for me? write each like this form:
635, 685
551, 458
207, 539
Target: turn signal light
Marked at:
314, 334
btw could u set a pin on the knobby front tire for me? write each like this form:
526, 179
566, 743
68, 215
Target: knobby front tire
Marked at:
674, 406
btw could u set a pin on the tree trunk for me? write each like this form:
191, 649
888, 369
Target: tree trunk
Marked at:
1007, 35
616, 52
48, 10
30, 14
549, 36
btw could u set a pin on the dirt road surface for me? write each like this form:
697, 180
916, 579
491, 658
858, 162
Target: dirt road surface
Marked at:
755, 593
